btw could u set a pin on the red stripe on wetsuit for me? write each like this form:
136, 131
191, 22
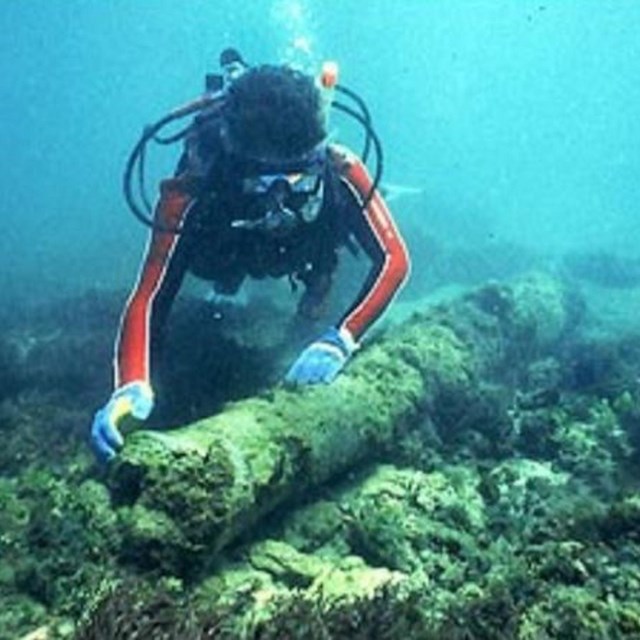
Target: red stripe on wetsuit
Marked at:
133, 343
395, 266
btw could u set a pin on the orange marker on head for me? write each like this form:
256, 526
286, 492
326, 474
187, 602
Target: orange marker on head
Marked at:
327, 80
329, 74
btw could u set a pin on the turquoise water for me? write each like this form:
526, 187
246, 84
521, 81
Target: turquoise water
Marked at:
516, 120
510, 135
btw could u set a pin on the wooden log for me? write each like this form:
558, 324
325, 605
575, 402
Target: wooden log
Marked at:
184, 494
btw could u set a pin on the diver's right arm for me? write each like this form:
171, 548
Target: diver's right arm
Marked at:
158, 282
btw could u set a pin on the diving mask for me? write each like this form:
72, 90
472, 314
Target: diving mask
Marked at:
297, 183
286, 199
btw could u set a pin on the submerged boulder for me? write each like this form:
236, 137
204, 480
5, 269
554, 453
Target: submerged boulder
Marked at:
184, 494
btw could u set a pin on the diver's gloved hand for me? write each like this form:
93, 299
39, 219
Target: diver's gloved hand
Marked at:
323, 359
134, 399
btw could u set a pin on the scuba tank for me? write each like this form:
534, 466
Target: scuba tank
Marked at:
232, 66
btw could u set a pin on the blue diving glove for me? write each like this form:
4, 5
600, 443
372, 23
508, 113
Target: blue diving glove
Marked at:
134, 399
323, 359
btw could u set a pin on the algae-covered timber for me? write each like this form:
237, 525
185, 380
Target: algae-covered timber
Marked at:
186, 493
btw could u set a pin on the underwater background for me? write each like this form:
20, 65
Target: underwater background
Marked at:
516, 120
506, 503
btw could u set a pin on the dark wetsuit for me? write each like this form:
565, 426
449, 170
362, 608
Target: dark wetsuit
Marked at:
205, 197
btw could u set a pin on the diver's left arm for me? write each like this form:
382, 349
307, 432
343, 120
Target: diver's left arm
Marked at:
376, 232
371, 223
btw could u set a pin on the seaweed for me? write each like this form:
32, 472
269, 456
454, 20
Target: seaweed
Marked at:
471, 476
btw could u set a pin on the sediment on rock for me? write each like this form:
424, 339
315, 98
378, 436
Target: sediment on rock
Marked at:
184, 494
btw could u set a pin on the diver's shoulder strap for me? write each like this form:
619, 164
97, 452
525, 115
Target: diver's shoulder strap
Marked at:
342, 158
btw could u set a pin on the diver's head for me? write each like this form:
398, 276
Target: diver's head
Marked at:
273, 115
274, 127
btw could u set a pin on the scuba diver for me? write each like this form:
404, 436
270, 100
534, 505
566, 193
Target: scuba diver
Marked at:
258, 191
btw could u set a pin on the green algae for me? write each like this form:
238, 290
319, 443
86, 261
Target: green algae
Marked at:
511, 513
217, 477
